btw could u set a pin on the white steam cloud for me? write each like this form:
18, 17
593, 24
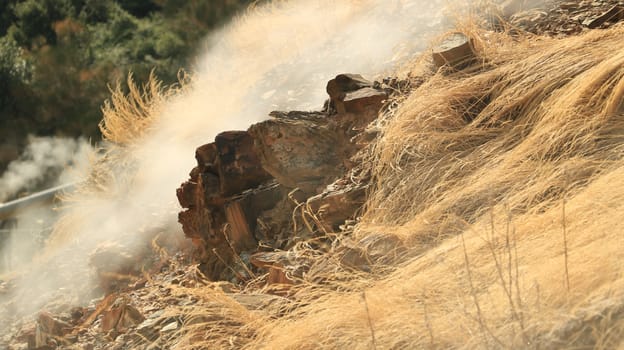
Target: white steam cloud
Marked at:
279, 57
41, 163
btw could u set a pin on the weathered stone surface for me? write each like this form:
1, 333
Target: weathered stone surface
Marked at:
339, 202
49, 329
238, 166
121, 316
187, 194
275, 263
343, 83
243, 193
299, 153
614, 14
351, 93
455, 50
242, 211
360, 101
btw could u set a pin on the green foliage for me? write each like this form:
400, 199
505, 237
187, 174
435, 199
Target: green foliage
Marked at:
15, 73
58, 57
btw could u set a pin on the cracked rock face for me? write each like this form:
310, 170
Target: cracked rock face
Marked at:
240, 199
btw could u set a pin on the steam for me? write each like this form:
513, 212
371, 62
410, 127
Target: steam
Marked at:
278, 57
46, 162
41, 163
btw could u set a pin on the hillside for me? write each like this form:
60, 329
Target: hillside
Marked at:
469, 200
58, 58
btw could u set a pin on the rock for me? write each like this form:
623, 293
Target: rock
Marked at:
241, 213
50, 328
170, 327
206, 155
362, 100
28, 334
237, 163
299, 153
337, 203
187, 194
343, 83
120, 317
351, 93
614, 14
275, 263
455, 51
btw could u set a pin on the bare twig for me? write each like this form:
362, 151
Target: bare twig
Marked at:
370, 323
427, 322
565, 235
484, 328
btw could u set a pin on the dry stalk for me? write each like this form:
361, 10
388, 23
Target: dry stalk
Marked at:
370, 322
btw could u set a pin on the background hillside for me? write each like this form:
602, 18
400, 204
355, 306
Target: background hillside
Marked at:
58, 57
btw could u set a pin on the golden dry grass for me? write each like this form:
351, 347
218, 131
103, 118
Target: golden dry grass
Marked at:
504, 182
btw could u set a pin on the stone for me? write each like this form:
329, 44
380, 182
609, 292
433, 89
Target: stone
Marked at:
337, 203
299, 153
50, 328
237, 163
243, 210
614, 14
170, 327
343, 83
206, 155
351, 93
362, 100
275, 262
120, 317
187, 194
455, 50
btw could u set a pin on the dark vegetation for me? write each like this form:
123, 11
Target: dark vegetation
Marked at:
58, 57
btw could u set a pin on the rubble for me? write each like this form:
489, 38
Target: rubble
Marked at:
563, 18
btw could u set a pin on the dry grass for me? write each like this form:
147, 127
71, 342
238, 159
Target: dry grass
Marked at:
473, 172
504, 183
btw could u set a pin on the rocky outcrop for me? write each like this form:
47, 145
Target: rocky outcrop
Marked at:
246, 200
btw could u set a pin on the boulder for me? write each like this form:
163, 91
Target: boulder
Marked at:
299, 153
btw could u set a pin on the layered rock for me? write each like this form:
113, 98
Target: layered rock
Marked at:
245, 201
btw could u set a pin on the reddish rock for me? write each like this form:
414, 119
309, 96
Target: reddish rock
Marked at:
206, 155
49, 329
337, 204
299, 153
351, 93
237, 163
275, 263
187, 194
120, 317
363, 100
455, 50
